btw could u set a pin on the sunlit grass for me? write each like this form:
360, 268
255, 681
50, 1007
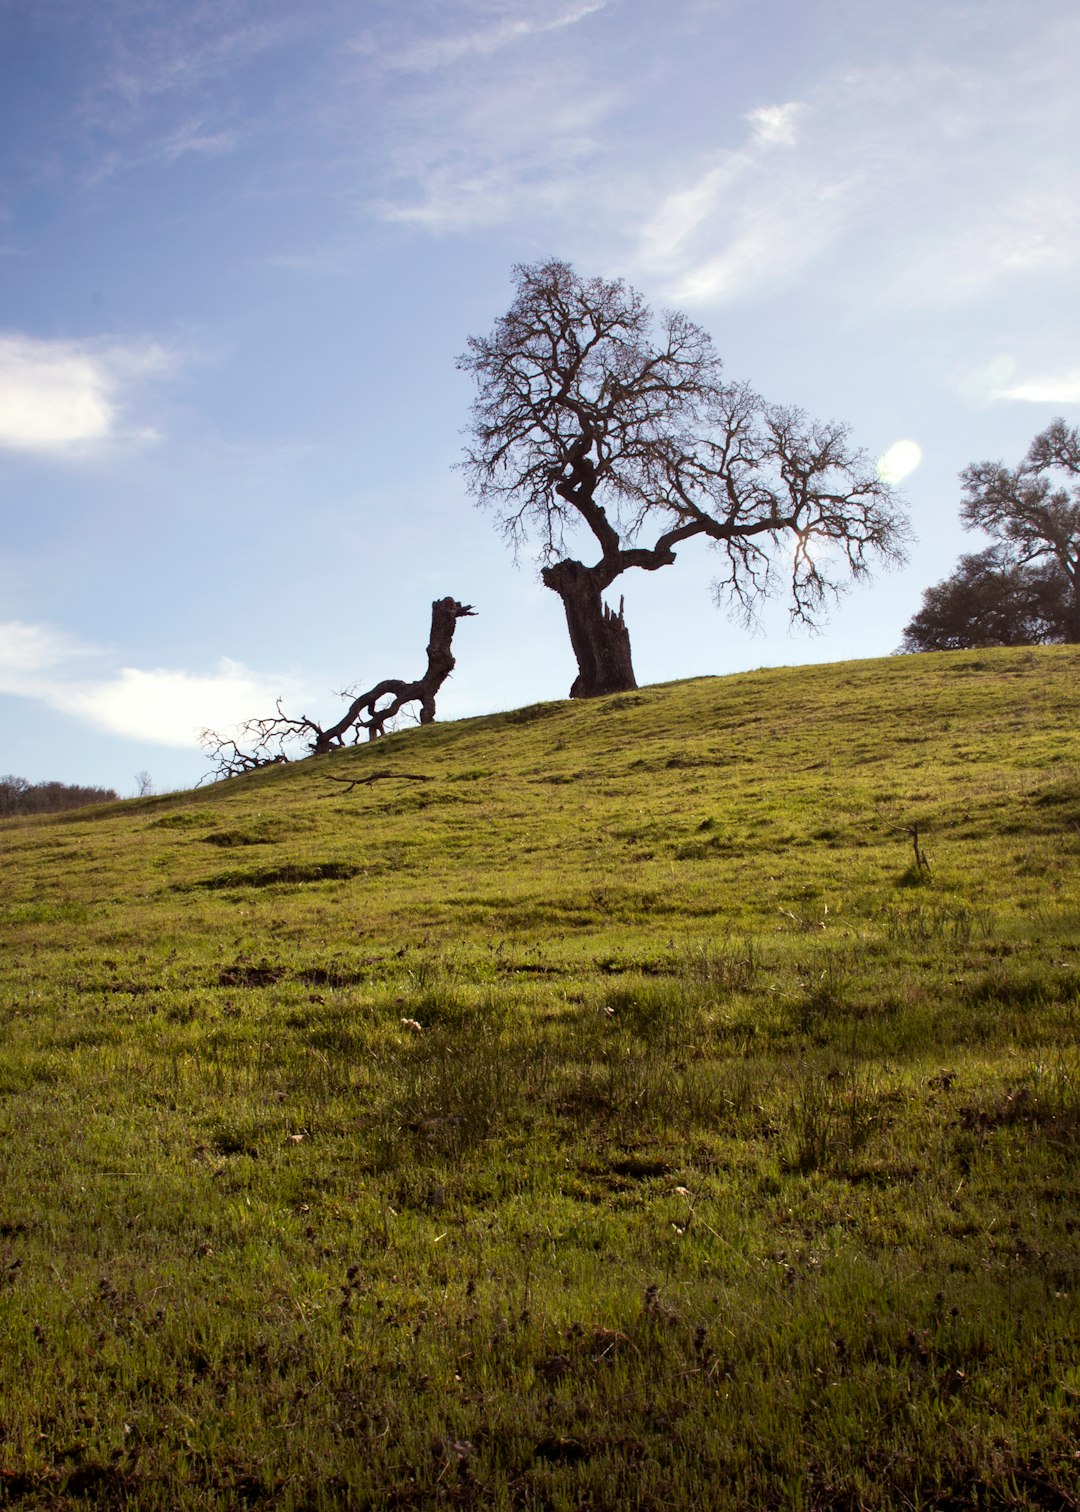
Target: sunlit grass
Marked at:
622, 1118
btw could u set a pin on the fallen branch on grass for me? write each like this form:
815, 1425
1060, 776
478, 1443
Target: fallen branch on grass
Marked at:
351, 782
279, 736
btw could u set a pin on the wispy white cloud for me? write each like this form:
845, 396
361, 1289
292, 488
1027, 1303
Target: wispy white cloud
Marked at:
168, 706
1029, 231
899, 171
196, 138
522, 145
768, 221
173, 707
1050, 388
682, 212
191, 139
516, 133
1062, 389
514, 24
178, 49
67, 397
890, 180
1002, 379
27, 651
173, 82
486, 195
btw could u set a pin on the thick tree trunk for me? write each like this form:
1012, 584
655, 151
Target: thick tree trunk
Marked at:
599, 637
445, 614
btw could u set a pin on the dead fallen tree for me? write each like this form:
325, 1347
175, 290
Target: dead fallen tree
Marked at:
281, 737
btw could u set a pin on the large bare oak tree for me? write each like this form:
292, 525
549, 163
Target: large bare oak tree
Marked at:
593, 417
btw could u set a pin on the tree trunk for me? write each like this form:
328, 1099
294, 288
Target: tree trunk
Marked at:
599, 637
445, 614
1072, 626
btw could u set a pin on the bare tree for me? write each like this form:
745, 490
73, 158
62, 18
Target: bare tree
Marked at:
590, 416
275, 737
1033, 511
18, 796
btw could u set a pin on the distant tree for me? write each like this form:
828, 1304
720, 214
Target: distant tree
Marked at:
280, 736
1034, 510
1025, 589
13, 792
144, 784
17, 796
593, 418
991, 601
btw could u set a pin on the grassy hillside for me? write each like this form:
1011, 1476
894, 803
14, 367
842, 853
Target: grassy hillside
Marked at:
621, 1116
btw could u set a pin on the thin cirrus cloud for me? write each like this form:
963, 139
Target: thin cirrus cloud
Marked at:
887, 182
156, 97
776, 215
65, 398
1030, 231
522, 145
513, 181
195, 138
514, 135
901, 167
190, 139
163, 705
440, 52
763, 212
178, 50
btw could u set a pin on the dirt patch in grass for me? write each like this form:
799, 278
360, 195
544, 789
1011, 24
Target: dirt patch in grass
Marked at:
290, 873
242, 975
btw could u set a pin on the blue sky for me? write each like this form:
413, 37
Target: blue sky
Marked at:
242, 243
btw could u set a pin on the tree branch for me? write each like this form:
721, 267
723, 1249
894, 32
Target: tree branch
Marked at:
275, 736
352, 782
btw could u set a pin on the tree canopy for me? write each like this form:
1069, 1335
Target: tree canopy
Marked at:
594, 419
1025, 588
1033, 511
990, 601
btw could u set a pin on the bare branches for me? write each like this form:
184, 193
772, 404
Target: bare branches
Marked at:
280, 737
228, 758
589, 414
1033, 511
577, 402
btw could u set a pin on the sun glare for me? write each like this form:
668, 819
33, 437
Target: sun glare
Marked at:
902, 457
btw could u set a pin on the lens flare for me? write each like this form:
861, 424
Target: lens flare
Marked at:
902, 457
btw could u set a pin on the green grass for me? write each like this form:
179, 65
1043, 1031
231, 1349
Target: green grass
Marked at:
619, 1119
